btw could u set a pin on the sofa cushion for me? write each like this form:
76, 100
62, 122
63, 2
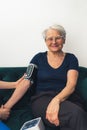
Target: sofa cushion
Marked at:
18, 118
82, 84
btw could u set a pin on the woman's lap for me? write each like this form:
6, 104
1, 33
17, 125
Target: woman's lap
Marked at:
41, 101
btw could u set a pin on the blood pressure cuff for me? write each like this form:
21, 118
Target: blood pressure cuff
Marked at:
31, 72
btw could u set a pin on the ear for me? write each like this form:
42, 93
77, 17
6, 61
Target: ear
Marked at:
64, 40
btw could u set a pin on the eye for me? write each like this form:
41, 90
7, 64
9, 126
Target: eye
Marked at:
50, 39
58, 37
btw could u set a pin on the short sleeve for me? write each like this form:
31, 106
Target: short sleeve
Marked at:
35, 59
73, 64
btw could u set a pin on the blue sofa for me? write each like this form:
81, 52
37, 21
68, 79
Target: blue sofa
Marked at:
22, 112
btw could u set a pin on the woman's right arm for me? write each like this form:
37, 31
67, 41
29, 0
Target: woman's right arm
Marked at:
21, 89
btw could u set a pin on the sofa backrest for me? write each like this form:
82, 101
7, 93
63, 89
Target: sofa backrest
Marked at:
11, 73
14, 73
82, 83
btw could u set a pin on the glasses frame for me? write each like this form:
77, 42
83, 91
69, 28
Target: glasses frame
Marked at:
50, 39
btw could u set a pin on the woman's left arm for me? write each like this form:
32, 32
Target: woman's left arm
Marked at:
53, 107
72, 77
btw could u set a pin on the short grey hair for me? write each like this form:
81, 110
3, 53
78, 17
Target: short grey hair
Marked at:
59, 28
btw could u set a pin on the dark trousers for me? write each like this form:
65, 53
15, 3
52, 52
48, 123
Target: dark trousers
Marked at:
71, 114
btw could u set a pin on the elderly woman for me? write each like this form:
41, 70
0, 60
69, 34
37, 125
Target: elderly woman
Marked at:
55, 83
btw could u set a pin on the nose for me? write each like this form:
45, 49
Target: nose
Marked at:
54, 40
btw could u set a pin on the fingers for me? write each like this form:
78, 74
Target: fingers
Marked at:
55, 122
2, 106
52, 118
5, 116
19, 80
4, 112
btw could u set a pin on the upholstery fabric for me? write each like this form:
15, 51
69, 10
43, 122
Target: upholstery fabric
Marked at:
82, 84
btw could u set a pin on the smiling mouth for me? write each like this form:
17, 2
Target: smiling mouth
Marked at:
55, 45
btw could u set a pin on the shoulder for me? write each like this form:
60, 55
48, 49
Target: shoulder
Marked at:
38, 57
40, 54
71, 56
72, 61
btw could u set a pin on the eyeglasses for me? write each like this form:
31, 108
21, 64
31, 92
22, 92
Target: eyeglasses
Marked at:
50, 39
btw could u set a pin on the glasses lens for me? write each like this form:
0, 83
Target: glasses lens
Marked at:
54, 38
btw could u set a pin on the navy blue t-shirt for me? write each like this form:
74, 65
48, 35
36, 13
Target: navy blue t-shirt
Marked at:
50, 79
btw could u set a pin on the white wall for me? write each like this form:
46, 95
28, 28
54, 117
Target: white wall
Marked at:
22, 22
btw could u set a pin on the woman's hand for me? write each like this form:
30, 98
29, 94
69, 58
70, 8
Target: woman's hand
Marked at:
52, 111
4, 113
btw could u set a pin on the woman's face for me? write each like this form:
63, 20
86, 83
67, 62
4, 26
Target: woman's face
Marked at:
54, 40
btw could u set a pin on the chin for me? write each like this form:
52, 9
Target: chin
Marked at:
54, 51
